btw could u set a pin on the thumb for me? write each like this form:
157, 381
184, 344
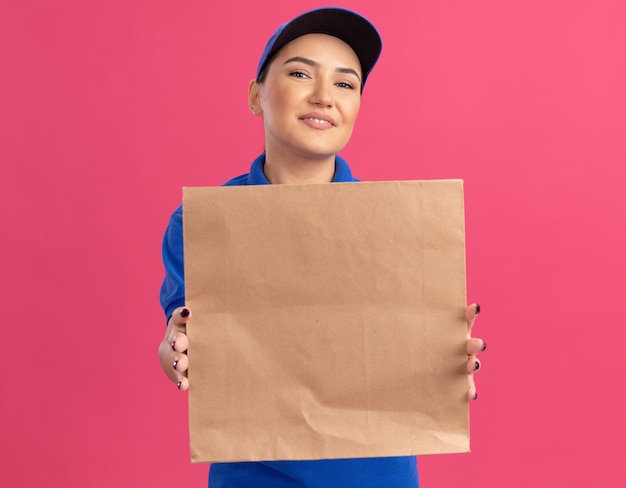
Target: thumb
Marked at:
470, 314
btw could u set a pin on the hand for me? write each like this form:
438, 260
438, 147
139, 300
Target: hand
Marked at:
474, 346
173, 348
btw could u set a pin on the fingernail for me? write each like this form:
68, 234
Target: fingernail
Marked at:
174, 346
184, 312
474, 398
179, 384
476, 366
477, 309
484, 346
175, 363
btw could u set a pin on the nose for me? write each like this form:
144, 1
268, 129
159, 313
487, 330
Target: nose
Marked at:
322, 93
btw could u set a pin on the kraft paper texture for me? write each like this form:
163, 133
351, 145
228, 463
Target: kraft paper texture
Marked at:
328, 321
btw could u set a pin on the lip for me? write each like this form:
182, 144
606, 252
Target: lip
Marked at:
318, 121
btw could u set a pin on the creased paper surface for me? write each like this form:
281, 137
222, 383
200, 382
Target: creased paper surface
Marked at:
328, 321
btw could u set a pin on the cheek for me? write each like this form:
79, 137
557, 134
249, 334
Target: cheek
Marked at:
274, 104
353, 111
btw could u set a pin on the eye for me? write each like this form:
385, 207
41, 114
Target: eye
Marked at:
345, 84
298, 74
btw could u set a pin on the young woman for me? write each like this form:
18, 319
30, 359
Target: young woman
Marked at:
308, 91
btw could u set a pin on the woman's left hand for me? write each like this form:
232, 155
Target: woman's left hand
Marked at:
474, 346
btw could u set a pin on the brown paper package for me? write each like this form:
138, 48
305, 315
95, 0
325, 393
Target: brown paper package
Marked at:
328, 321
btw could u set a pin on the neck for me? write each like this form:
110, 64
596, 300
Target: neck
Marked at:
283, 169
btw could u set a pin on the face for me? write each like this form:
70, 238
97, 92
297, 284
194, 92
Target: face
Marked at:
310, 97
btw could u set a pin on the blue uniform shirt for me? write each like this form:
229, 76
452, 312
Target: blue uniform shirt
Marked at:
390, 472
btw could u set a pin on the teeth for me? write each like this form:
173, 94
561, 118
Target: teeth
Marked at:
320, 121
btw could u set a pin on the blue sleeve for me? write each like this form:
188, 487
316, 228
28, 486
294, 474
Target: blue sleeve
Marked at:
173, 288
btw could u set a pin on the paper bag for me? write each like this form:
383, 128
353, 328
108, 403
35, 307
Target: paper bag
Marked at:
328, 321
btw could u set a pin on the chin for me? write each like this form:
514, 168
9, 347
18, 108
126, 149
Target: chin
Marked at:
322, 151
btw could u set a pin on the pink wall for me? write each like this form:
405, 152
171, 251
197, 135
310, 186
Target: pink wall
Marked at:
108, 108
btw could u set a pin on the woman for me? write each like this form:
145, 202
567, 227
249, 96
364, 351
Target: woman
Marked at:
308, 90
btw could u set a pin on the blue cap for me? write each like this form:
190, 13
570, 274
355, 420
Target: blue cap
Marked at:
352, 28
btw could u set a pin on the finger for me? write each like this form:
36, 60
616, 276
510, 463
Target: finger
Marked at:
473, 365
474, 346
183, 383
180, 316
470, 314
181, 363
472, 394
178, 329
180, 342
180, 369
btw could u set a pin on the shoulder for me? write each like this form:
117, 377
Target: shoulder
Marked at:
343, 173
237, 180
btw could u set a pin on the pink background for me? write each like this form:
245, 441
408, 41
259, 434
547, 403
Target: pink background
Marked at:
108, 108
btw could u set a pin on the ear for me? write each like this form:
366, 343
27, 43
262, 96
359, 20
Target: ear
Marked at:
254, 101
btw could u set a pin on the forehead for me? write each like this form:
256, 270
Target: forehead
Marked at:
323, 49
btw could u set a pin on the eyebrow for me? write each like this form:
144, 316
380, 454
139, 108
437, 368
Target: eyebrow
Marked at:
310, 62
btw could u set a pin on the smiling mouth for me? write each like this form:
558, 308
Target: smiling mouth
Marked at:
319, 121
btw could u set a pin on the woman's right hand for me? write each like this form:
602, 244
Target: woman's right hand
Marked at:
173, 348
